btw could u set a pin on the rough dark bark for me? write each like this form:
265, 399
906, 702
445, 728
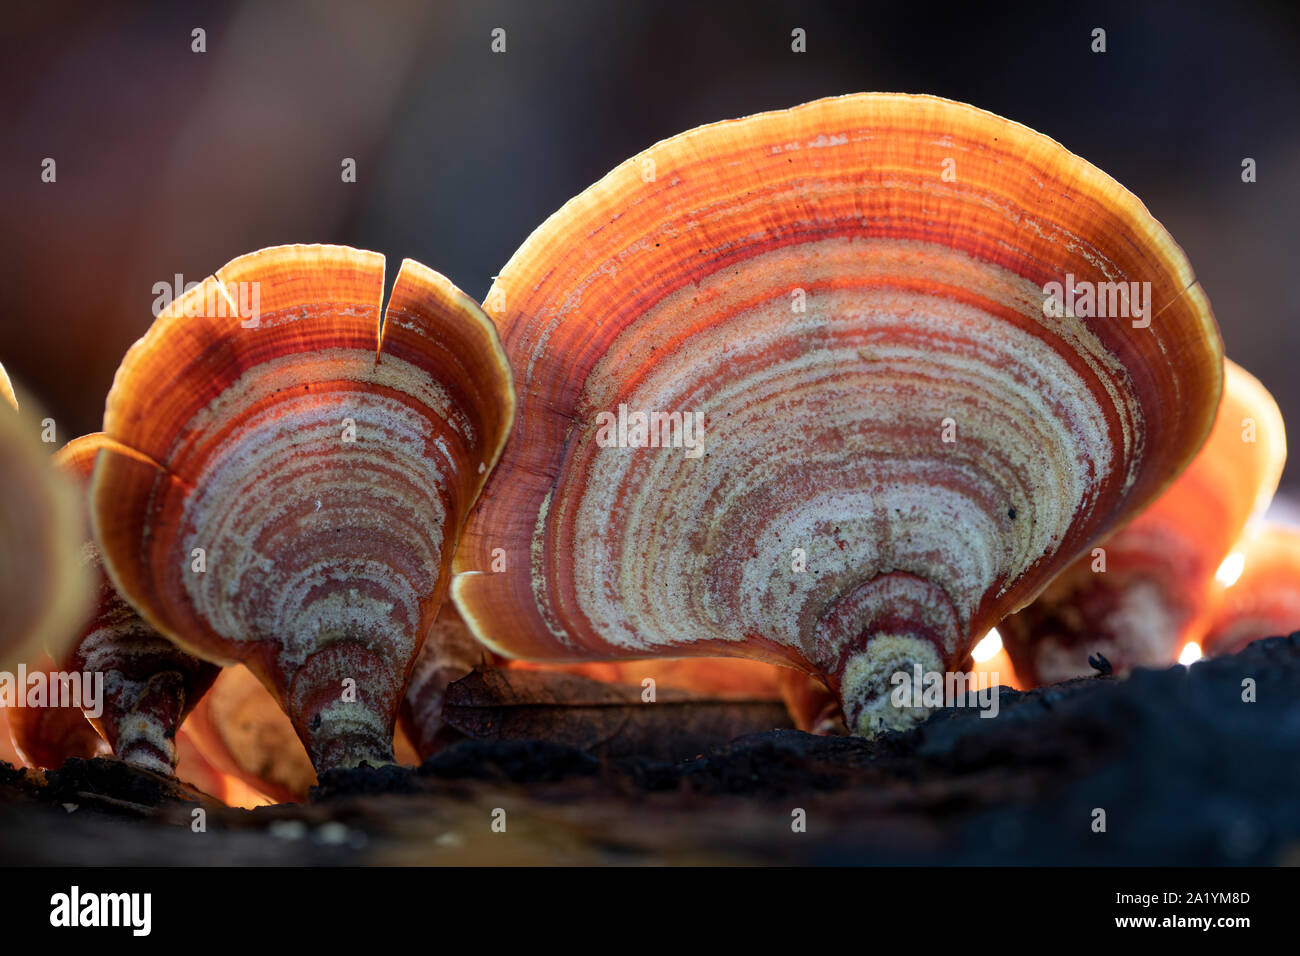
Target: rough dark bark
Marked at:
1185, 770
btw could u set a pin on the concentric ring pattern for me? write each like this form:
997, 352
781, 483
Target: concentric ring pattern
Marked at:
1149, 589
298, 478
900, 442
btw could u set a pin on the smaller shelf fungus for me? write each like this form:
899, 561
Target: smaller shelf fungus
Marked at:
836, 387
46, 735
7, 395
240, 729
1265, 600
1144, 592
149, 684
450, 652
44, 591
286, 487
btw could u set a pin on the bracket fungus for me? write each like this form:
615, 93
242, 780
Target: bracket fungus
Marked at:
1265, 600
46, 735
1147, 589
44, 591
7, 396
241, 730
290, 485
150, 684
812, 707
896, 327
450, 652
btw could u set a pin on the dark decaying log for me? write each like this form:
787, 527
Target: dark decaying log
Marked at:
602, 719
1186, 771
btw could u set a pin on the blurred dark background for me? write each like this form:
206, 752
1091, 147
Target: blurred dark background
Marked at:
170, 161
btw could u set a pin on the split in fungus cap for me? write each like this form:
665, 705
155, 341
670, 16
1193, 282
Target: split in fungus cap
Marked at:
294, 474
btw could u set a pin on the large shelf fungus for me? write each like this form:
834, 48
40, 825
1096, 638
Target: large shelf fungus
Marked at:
294, 476
149, 683
836, 387
1144, 592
